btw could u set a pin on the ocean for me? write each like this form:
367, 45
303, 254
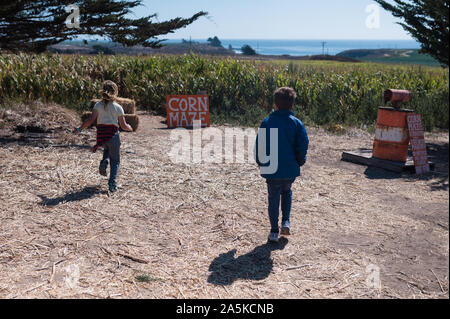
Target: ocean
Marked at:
311, 47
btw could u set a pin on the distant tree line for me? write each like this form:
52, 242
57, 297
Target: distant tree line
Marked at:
248, 50
215, 42
245, 49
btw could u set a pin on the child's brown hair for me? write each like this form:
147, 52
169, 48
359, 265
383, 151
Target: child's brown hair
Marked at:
110, 92
284, 98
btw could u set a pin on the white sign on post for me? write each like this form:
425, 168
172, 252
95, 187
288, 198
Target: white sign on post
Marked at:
418, 146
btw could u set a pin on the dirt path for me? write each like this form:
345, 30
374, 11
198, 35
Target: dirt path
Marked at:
199, 231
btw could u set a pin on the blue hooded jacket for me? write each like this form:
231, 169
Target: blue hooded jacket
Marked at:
292, 145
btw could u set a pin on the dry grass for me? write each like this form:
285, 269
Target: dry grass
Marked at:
199, 231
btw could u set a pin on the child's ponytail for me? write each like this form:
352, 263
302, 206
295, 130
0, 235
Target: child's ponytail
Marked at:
109, 92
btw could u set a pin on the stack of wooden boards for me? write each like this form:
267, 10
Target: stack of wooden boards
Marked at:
129, 107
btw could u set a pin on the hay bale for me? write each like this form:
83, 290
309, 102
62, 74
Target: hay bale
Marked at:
128, 105
133, 120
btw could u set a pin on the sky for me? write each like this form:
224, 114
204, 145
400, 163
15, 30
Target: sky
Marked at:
278, 19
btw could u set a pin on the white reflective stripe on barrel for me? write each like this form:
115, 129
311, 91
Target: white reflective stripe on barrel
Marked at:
391, 134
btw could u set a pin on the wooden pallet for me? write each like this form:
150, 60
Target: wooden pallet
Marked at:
364, 157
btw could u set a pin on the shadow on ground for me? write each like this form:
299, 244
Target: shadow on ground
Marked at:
37, 142
255, 265
83, 194
80, 146
437, 153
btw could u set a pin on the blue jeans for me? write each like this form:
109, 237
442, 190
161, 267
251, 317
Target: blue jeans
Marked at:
279, 188
111, 151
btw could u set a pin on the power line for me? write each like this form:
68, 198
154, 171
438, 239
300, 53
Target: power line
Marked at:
323, 47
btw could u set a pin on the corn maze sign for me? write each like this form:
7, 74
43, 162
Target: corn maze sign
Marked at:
418, 146
183, 110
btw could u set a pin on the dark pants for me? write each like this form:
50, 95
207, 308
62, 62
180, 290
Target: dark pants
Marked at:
279, 188
111, 151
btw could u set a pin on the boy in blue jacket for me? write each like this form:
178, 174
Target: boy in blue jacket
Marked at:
280, 151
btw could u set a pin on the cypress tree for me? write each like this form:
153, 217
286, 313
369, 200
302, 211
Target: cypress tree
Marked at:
427, 22
34, 25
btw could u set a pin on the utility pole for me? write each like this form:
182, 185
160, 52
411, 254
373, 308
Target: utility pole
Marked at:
323, 47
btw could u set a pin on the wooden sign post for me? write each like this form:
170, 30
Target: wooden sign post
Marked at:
183, 110
418, 146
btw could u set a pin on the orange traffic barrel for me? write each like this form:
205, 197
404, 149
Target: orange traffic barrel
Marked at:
391, 135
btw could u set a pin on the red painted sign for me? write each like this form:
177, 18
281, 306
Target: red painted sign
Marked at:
418, 146
183, 110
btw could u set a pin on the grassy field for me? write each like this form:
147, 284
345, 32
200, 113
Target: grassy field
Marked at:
413, 58
329, 93
395, 56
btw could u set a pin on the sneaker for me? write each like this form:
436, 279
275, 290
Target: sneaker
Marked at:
102, 167
112, 187
273, 237
286, 228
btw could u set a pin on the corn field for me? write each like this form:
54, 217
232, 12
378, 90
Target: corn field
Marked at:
239, 90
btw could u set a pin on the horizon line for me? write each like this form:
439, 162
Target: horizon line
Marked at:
300, 39
276, 39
